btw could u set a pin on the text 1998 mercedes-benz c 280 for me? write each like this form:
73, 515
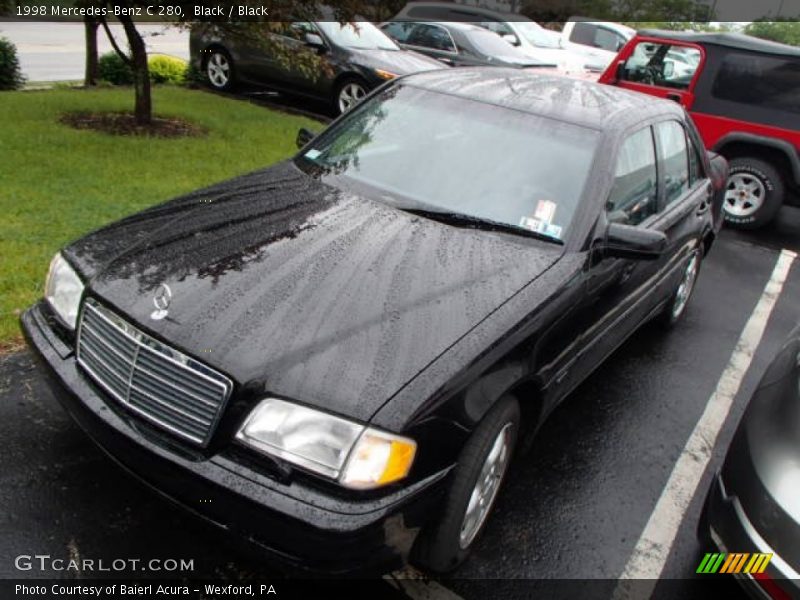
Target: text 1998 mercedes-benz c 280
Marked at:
341, 353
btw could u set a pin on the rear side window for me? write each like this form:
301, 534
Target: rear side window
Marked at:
665, 65
675, 157
634, 194
583, 33
695, 162
431, 36
398, 31
596, 36
608, 40
765, 81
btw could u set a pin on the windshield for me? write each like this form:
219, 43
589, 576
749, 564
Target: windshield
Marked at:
538, 35
361, 35
421, 150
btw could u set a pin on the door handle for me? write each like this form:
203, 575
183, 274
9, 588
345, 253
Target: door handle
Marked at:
627, 271
674, 97
703, 208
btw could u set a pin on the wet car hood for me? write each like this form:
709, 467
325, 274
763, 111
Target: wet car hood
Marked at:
316, 294
399, 62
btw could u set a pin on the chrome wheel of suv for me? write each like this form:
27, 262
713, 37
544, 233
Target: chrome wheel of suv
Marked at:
745, 195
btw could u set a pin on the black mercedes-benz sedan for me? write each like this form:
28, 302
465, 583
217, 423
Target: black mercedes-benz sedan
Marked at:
354, 58
336, 357
752, 511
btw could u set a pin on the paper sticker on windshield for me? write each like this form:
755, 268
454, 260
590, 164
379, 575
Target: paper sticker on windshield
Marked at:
539, 226
312, 154
532, 224
554, 231
545, 211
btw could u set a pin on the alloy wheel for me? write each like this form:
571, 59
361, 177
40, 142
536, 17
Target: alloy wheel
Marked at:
486, 487
686, 286
218, 70
350, 95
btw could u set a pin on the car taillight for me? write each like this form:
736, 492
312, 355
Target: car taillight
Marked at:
770, 586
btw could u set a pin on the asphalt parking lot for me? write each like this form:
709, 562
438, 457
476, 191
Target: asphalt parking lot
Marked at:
574, 508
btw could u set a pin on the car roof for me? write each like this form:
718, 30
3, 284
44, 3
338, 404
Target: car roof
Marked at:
465, 9
581, 102
459, 25
739, 41
626, 31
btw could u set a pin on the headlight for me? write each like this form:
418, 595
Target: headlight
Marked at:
354, 455
385, 74
63, 290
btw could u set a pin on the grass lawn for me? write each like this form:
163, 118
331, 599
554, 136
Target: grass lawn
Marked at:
57, 183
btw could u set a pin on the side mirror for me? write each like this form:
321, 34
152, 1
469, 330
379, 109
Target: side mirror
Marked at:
314, 40
719, 170
626, 241
510, 38
619, 72
304, 136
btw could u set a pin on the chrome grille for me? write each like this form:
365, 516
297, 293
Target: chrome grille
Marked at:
153, 380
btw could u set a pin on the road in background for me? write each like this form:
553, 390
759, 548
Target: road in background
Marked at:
573, 508
57, 51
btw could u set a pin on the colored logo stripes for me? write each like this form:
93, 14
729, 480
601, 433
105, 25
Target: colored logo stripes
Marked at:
734, 563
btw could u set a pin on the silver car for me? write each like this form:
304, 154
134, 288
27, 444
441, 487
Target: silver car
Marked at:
753, 506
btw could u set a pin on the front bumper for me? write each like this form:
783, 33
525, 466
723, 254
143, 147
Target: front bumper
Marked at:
732, 531
296, 524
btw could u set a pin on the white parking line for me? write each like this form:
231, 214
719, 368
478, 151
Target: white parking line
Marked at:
418, 586
650, 554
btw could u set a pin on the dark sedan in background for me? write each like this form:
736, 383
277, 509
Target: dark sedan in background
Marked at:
753, 507
355, 57
459, 44
336, 357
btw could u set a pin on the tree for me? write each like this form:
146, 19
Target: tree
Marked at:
90, 26
786, 31
660, 11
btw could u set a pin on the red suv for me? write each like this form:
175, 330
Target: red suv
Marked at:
744, 96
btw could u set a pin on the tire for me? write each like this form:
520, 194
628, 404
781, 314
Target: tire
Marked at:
754, 193
219, 70
444, 545
349, 92
679, 300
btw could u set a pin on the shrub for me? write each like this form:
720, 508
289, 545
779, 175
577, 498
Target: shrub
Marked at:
194, 76
114, 70
10, 74
167, 69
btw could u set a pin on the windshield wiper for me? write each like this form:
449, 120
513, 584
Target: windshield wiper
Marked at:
463, 220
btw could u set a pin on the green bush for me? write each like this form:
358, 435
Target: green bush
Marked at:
10, 74
167, 69
194, 76
163, 69
114, 70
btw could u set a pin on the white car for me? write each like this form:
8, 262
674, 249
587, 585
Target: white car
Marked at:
598, 41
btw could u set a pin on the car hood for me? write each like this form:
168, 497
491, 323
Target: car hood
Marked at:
303, 290
399, 62
517, 60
